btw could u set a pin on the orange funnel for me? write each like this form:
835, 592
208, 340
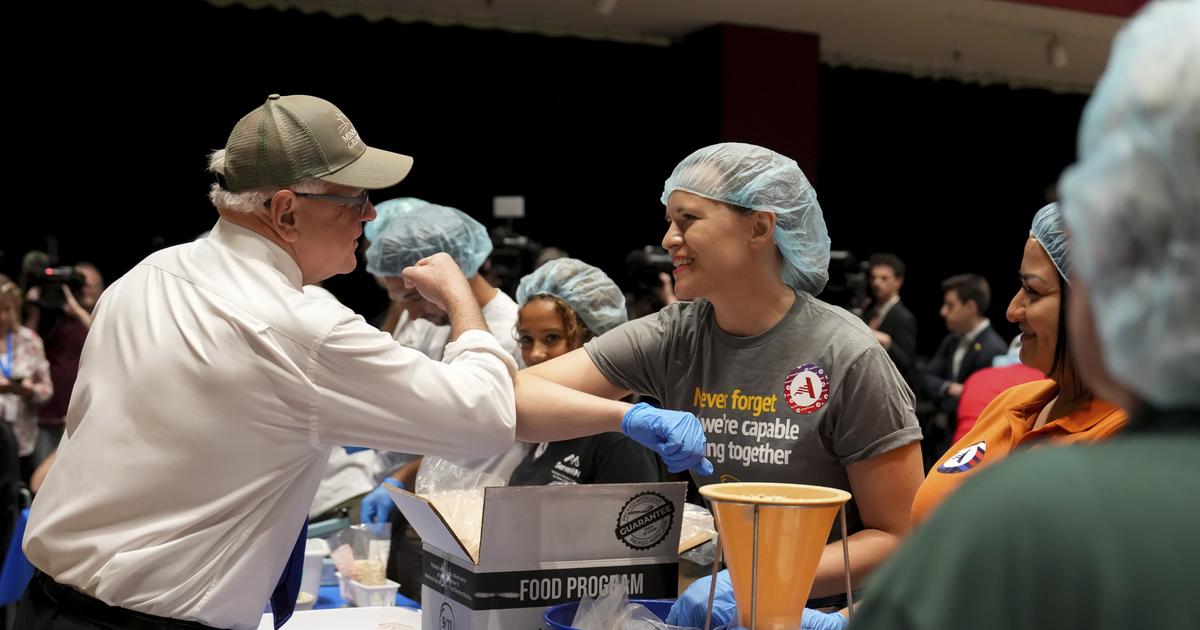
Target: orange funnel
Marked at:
793, 523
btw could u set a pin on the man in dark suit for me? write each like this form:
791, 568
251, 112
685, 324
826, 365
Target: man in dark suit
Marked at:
894, 325
970, 346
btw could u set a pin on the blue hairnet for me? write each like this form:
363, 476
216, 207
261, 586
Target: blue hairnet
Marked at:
385, 211
1132, 203
760, 179
422, 230
587, 290
1052, 236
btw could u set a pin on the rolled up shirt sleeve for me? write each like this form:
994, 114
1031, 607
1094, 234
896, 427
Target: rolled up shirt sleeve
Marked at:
374, 392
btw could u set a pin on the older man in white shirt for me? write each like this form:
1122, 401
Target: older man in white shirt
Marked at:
211, 387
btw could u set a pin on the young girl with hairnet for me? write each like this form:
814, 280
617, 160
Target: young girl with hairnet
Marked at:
565, 303
788, 387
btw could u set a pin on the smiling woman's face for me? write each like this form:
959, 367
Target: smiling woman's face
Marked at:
1036, 307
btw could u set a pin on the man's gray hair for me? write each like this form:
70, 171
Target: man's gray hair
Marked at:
250, 200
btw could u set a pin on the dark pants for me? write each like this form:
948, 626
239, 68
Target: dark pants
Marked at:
404, 559
48, 605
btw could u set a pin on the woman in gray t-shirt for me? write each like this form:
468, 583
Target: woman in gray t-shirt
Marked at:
788, 388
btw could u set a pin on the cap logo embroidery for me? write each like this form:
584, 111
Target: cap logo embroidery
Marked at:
347, 131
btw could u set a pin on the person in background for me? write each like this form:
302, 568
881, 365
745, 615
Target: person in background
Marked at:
565, 303
893, 324
25, 381
1099, 536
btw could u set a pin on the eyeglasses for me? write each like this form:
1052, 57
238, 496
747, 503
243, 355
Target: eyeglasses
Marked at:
358, 201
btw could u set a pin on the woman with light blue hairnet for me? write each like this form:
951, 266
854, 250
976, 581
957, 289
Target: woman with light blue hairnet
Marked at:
386, 211
1101, 536
416, 229
1060, 409
564, 303
789, 388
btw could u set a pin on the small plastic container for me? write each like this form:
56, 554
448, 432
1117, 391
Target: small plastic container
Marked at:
306, 601
328, 573
315, 552
362, 595
343, 586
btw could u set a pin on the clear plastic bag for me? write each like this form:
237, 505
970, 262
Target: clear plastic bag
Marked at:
360, 552
614, 611
457, 493
698, 526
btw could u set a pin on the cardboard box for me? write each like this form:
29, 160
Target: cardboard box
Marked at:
546, 545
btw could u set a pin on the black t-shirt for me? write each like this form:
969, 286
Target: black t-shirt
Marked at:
604, 458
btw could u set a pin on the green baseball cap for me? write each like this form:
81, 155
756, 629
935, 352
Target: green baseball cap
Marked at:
293, 139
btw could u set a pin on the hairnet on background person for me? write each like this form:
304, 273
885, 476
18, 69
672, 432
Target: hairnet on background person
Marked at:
760, 179
1049, 232
386, 211
423, 230
1132, 204
586, 289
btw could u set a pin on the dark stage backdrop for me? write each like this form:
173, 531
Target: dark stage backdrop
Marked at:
115, 107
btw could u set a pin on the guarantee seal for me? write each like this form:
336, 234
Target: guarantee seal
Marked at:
645, 520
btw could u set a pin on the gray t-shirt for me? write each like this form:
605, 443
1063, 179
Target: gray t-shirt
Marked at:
794, 404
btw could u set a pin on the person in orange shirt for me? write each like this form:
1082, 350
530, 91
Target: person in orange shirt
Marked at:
1059, 409
982, 387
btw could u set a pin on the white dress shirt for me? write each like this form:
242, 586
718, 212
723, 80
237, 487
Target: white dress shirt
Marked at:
964, 344
422, 335
347, 475
501, 314
210, 391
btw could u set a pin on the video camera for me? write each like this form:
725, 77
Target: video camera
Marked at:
848, 285
513, 256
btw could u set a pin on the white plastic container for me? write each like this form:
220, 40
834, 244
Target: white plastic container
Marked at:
363, 596
343, 586
315, 551
328, 573
305, 601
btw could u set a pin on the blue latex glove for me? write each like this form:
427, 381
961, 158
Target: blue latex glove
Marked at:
814, 620
692, 607
676, 436
378, 505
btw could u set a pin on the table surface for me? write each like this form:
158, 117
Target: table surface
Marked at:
349, 619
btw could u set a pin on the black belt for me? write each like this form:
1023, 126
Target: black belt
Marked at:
45, 592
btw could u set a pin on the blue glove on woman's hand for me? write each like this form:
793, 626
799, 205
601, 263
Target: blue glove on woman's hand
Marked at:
677, 436
692, 607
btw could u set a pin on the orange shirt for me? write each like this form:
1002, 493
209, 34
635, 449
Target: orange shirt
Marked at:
1004, 426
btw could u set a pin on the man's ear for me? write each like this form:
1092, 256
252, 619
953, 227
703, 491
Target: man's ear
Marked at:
282, 216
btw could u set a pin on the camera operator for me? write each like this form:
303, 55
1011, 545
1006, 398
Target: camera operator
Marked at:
848, 285
59, 304
513, 256
649, 273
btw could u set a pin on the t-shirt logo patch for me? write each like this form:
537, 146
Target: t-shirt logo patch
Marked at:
567, 471
806, 389
965, 459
